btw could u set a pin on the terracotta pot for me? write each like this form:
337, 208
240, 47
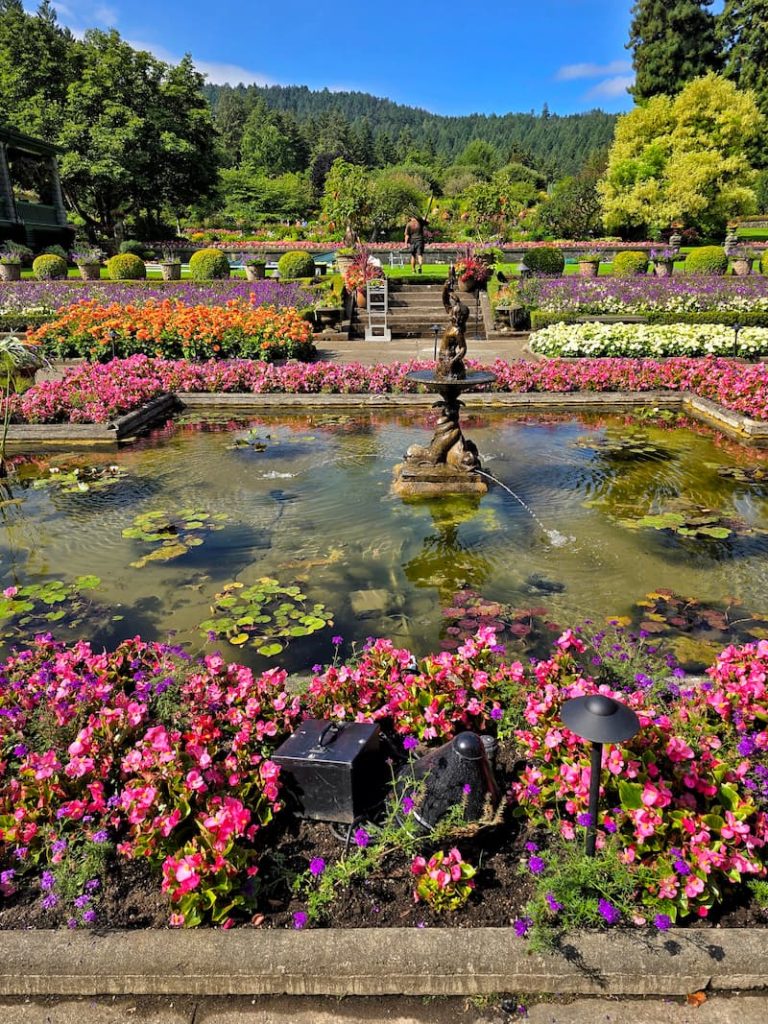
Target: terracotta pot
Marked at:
663, 269
362, 298
10, 271
89, 271
171, 271
256, 271
588, 269
742, 268
469, 287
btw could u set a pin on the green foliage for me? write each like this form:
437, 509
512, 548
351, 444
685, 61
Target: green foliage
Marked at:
682, 159
172, 534
707, 259
55, 250
79, 479
747, 318
545, 260
35, 607
49, 267
346, 199
630, 264
272, 143
294, 264
266, 616
672, 43
134, 246
208, 265
126, 267
742, 33
572, 210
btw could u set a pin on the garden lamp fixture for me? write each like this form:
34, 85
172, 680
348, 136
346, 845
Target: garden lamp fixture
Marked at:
435, 331
600, 720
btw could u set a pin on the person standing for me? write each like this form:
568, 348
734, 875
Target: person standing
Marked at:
414, 239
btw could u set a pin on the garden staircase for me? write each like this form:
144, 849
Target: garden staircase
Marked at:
414, 306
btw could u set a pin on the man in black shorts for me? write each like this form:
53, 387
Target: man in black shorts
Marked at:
414, 239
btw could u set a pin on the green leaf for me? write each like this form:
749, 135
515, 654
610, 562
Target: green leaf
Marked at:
630, 795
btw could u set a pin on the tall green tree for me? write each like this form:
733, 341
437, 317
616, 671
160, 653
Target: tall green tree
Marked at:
743, 33
672, 42
272, 142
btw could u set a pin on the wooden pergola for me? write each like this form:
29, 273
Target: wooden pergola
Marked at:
31, 202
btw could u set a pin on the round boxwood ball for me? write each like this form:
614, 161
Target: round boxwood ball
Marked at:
295, 263
49, 267
707, 259
545, 259
126, 267
208, 265
630, 263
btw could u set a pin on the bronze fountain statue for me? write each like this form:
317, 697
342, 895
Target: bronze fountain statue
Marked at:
448, 464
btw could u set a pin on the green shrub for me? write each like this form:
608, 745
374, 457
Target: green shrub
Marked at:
545, 260
630, 263
764, 262
295, 263
208, 265
55, 250
49, 267
134, 247
707, 259
126, 267
746, 318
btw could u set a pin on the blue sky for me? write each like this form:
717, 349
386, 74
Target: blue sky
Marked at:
513, 56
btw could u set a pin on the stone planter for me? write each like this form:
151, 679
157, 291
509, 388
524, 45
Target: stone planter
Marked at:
171, 271
10, 271
89, 271
468, 287
663, 268
742, 267
588, 269
327, 317
255, 271
343, 263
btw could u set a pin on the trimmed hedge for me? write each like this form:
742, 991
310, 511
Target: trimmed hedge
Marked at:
126, 267
295, 264
208, 265
11, 322
545, 260
49, 267
707, 259
540, 319
630, 263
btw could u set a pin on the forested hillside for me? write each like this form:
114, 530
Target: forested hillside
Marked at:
561, 145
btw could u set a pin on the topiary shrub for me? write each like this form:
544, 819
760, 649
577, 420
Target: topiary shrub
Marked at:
707, 259
208, 265
764, 261
630, 263
295, 263
133, 246
126, 267
49, 267
545, 260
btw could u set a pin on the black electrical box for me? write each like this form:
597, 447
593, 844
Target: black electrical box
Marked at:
336, 770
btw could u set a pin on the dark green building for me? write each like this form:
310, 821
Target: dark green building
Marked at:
31, 204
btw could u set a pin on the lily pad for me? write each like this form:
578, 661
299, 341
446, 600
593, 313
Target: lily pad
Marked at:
79, 479
32, 607
686, 520
266, 615
627, 447
174, 532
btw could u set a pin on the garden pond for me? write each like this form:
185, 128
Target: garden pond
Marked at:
267, 536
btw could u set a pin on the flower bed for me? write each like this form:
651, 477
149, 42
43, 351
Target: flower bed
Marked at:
597, 340
171, 328
142, 757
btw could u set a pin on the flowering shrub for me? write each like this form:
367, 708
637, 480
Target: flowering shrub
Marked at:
445, 881
656, 340
170, 328
165, 761
472, 272
677, 796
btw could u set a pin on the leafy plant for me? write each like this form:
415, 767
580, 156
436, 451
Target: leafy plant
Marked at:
445, 881
126, 267
28, 608
174, 532
266, 616
80, 479
685, 519
208, 265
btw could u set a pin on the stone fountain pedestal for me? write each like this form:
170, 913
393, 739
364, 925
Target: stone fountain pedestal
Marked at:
449, 464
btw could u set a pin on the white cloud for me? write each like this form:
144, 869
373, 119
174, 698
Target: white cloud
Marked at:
611, 87
217, 73
571, 72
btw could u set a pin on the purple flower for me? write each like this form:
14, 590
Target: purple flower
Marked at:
584, 819
681, 867
531, 847
337, 641
6, 877
497, 714
102, 836
410, 742
300, 919
552, 903
521, 926
47, 881
58, 846
466, 789
407, 804
89, 917
609, 827
316, 866
50, 901
92, 885
71, 922
662, 922
20, 750
536, 865
609, 913
746, 746
362, 839
82, 901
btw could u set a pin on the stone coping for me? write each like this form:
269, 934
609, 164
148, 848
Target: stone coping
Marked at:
377, 962
131, 425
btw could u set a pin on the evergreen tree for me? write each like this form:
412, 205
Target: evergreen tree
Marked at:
743, 31
672, 42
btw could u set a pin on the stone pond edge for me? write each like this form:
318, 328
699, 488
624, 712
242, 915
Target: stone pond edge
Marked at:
378, 962
132, 424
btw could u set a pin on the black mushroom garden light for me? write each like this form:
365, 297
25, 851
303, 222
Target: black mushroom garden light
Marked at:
599, 719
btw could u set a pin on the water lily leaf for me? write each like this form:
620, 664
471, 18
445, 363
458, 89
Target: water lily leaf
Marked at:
270, 650
718, 532
87, 582
175, 532
239, 639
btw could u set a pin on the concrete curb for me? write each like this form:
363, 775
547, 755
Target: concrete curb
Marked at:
370, 961
124, 428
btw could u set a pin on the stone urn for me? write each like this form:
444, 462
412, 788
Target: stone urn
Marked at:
468, 287
588, 268
742, 266
663, 268
89, 271
10, 271
343, 263
171, 271
255, 271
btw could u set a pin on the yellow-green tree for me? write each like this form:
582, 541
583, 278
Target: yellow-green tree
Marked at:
683, 158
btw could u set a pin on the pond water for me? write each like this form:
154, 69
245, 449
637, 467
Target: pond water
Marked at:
304, 500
